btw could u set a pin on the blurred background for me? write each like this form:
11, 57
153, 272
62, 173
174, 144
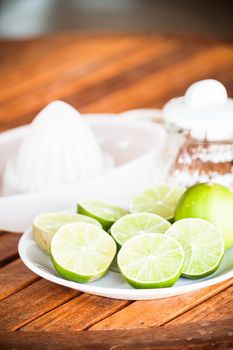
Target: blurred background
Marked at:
27, 18
58, 49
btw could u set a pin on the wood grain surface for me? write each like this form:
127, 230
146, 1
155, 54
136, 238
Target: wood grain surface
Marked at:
8, 247
199, 335
104, 73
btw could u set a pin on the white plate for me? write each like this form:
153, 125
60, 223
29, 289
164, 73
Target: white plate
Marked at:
112, 285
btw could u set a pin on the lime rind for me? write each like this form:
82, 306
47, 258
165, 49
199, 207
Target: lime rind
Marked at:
160, 200
82, 252
151, 261
72, 276
139, 223
101, 211
203, 246
45, 225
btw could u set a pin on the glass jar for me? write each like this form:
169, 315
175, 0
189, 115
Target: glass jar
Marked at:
200, 135
202, 161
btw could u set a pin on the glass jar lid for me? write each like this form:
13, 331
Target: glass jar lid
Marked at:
205, 110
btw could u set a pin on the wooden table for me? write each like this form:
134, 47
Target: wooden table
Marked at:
104, 74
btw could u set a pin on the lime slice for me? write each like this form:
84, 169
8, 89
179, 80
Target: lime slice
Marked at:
82, 252
45, 226
160, 200
135, 224
203, 246
151, 260
105, 213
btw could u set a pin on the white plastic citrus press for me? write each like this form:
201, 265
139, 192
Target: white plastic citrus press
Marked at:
47, 165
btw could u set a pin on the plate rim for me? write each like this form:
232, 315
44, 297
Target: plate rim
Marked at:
117, 293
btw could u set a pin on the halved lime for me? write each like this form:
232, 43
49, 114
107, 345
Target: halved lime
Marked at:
45, 226
203, 245
151, 260
105, 213
135, 224
82, 252
211, 202
161, 200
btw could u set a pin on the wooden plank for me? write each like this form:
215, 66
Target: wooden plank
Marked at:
32, 302
48, 50
216, 308
143, 314
168, 82
8, 247
78, 98
202, 335
13, 277
75, 57
126, 78
139, 47
72, 61
16, 54
116, 72
78, 314
81, 83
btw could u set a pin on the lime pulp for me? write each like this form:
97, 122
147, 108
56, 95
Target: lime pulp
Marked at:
82, 252
160, 200
151, 261
203, 246
135, 224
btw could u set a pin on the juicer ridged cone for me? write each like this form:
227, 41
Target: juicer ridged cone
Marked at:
59, 149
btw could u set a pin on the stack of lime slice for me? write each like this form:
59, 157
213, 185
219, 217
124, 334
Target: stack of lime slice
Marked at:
152, 252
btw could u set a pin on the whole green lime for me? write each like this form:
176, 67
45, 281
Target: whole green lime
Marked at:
211, 202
